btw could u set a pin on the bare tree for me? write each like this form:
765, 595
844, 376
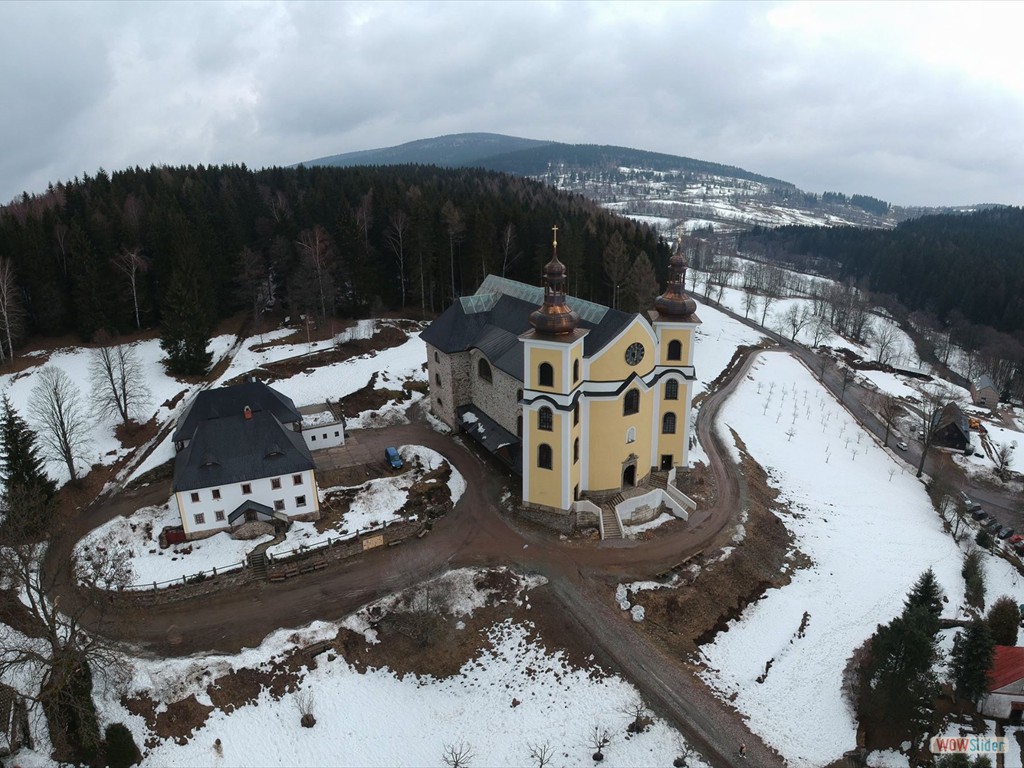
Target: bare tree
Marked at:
886, 337
131, 263
794, 319
541, 755
455, 226
252, 283
889, 409
766, 302
507, 246
598, 739
616, 265
1003, 456
820, 330
56, 652
457, 755
304, 701
397, 232
56, 406
118, 382
640, 716
749, 303
933, 399
318, 260
12, 312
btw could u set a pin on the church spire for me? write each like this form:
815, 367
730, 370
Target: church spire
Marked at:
554, 316
674, 302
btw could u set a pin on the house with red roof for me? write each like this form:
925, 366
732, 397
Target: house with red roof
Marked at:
1005, 698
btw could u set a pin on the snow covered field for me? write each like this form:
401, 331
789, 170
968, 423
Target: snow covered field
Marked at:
514, 694
870, 530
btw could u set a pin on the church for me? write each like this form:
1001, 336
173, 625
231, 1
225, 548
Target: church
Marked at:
590, 405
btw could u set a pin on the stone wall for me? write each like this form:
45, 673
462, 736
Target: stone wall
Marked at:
556, 519
499, 399
454, 389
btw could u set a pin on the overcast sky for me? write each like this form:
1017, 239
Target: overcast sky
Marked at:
915, 104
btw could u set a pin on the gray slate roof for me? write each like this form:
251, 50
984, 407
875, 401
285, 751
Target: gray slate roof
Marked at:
493, 318
230, 401
985, 382
234, 449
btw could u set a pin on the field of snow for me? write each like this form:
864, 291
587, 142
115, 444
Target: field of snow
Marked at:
377, 718
870, 530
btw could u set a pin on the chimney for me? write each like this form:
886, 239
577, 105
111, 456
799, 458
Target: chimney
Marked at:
247, 412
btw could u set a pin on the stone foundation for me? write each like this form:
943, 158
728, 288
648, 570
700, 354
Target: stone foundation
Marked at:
557, 519
252, 530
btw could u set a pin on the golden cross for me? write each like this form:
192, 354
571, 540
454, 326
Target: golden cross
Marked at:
554, 235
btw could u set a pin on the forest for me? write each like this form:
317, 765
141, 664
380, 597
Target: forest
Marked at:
951, 266
182, 247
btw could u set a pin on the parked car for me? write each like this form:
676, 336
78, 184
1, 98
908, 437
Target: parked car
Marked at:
1015, 539
392, 457
1019, 547
1005, 533
967, 500
992, 525
902, 445
978, 513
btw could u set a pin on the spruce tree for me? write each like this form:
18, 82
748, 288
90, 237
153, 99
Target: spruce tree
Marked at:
28, 492
927, 593
1004, 621
185, 322
971, 660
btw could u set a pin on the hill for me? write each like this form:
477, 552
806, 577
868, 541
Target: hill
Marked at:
453, 150
661, 190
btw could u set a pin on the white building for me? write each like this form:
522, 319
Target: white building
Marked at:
242, 457
1005, 697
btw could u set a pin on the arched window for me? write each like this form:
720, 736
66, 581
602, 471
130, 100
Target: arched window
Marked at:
671, 389
576, 450
575, 371
544, 419
545, 375
675, 350
519, 425
631, 403
544, 456
437, 378
519, 395
437, 357
576, 414
483, 370
631, 435
668, 424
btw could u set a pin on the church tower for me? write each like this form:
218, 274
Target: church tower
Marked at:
674, 322
552, 375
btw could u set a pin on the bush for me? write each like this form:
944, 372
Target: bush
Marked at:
983, 539
120, 747
974, 580
1004, 621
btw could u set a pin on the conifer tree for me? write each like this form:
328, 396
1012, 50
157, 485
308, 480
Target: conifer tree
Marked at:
971, 660
28, 492
1004, 621
186, 323
927, 593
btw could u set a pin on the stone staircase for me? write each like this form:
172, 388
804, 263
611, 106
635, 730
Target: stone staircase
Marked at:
610, 520
658, 480
258, 563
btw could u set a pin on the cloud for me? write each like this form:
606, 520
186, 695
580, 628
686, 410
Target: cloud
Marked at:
918, 104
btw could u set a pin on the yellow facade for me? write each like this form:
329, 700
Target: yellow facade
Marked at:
609, 449
674, 333
546, 484
537, 356
610, 364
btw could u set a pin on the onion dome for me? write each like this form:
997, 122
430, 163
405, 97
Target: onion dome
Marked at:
674, 302
554, 316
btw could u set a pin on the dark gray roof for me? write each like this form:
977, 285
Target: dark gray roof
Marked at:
231, 401
493, 318
234, 449
492, 436
985, 382
263, 512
